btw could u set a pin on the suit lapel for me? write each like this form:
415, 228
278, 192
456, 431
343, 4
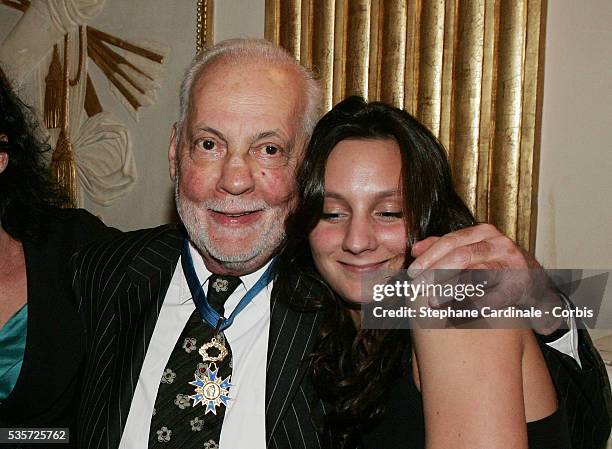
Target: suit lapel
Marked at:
148, 276
292, 335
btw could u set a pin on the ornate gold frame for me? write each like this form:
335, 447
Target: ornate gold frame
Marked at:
204, 25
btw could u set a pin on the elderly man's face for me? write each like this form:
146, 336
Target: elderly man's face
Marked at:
236, 163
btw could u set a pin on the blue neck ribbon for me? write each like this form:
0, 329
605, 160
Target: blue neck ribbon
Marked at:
210, 315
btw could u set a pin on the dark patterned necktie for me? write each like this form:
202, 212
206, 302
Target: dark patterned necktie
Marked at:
176, 423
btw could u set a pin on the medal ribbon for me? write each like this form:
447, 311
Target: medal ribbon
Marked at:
210, 315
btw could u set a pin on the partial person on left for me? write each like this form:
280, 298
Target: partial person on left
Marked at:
40, 334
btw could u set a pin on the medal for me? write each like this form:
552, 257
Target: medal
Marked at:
211, 391
213, 344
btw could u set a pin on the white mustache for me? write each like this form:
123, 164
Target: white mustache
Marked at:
233, 205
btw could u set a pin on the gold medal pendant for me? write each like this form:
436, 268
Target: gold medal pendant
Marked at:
213, 344
210, 389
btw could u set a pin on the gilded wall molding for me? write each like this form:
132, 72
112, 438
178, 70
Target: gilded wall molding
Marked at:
204, 25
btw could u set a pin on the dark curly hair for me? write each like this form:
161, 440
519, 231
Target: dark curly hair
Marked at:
26, 190
353, 368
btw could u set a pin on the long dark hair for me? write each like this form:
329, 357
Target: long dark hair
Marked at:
353, 368
26, 190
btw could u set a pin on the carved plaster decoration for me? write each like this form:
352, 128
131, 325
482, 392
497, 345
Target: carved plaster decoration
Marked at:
52, 31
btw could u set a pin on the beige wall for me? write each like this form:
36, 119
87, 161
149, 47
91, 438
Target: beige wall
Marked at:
575, 196
239, 18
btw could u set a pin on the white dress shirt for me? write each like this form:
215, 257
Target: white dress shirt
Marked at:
244, 425
568, 343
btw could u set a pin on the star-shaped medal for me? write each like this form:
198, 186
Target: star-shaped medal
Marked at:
211, 391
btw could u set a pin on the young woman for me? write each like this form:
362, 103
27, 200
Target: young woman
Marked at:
373, 182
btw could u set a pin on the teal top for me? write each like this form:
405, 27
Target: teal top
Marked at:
12, 348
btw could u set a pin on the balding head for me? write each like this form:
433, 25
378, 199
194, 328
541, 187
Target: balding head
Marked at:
241, 52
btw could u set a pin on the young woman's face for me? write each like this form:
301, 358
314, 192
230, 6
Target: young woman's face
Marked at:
362, 228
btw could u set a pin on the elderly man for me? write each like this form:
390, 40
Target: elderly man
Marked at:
170, 365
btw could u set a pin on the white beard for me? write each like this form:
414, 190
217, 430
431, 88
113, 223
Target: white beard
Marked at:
270, 230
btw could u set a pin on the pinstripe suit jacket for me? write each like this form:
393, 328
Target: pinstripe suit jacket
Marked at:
120, 286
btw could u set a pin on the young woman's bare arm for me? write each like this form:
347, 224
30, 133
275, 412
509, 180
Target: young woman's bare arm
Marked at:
477, 386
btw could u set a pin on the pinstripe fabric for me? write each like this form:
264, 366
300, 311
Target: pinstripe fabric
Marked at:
291, 401
120, 286
583, 393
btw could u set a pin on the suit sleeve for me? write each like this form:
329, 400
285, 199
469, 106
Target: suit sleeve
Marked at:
583, 392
